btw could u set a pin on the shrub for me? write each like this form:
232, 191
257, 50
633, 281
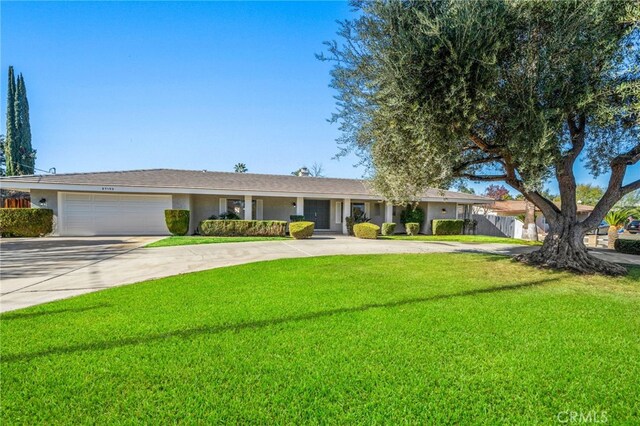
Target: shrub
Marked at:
177, 221
243, 228
388, 228
412, 214
25, 222
447, 226
412, 228
228, 216
296, 218
368, 231
627, 246
300, 230
355, 219
469, 226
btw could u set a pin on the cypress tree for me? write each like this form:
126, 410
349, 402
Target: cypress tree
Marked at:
3, 164
10, 145
23, 127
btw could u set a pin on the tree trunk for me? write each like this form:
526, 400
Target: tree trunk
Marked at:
564, 248
613, 236
530, 230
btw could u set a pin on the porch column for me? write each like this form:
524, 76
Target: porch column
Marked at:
388, 212
300, 206
346, 212
222, 205
248, 207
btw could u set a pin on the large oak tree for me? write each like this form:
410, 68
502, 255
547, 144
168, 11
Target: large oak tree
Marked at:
497, 90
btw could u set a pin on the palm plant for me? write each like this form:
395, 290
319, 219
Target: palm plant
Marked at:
616, 220
240, 168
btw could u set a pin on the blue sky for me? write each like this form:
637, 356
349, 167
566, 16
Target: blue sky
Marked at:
118, 85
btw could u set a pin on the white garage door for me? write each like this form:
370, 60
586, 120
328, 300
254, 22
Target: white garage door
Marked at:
85, 214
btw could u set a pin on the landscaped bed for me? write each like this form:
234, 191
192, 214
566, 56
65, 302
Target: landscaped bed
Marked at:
479, 239
429, 339
189, 240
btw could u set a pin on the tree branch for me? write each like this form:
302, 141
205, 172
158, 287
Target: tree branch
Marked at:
547, 207
483, 178
615, 190
483, 160
577, 136
630, 187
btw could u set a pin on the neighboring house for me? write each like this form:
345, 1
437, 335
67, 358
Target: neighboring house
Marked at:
133, 202
515, 208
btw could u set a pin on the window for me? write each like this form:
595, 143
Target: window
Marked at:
237, 207
377, 209
357, 209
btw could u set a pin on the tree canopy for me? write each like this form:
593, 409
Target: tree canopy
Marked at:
501, 90
19, 154
497, 192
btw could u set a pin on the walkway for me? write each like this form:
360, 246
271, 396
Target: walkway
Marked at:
35, 271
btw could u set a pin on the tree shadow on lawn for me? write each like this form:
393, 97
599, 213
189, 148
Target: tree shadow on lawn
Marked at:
9, 316
197, 331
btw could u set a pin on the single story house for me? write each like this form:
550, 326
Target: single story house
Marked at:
133, 202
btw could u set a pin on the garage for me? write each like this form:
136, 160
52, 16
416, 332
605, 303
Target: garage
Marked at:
88, 214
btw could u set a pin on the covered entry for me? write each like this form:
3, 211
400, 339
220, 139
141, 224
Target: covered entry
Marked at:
318, 211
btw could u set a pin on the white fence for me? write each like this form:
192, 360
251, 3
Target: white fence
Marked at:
498, 226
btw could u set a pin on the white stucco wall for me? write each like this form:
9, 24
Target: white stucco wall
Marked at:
203, 206
434, 211
181, 201
277, 208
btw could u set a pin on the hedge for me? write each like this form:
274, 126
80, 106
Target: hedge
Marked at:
368, 231
388, 228
243, 228
627, 246
300, 230
177, 221
412, 228
412, 214
25, 222
447, 226
296, 218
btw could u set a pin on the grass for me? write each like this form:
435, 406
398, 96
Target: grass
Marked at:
190, 240
430, 339
478, 239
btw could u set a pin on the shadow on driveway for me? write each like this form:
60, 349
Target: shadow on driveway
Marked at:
36, 258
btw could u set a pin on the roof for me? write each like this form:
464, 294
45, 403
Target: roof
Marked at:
514, 207
203, 181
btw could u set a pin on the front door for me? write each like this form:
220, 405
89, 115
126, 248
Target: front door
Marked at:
317, 211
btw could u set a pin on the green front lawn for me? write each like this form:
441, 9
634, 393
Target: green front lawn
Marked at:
190, 240
428, 339
479, 239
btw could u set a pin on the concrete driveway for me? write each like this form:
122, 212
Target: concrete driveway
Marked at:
34, 271
37, 270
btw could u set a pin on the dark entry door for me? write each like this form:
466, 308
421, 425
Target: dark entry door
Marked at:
317, 211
